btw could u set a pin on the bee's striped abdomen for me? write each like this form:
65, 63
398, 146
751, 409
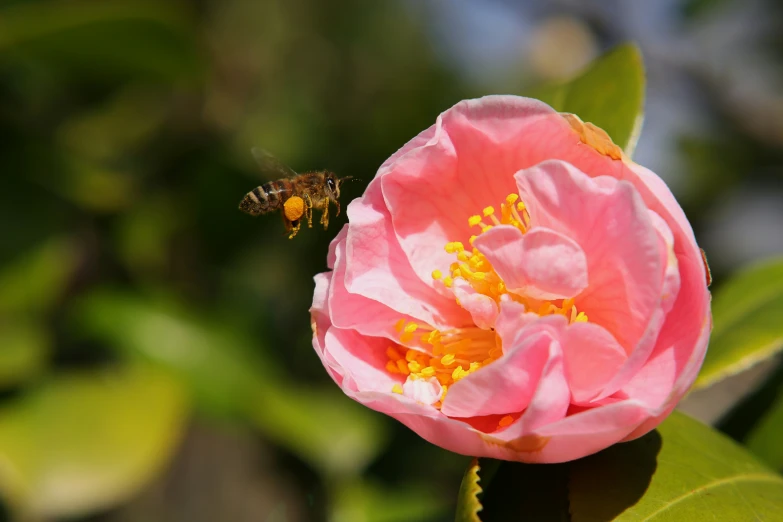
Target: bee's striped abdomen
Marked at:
266, 198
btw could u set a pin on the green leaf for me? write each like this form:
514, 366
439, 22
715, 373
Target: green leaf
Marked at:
86, 441
609, 94
468, 503
746, 313
227, 374
24, 351
34, 281
765, 438
684, 471
120, 37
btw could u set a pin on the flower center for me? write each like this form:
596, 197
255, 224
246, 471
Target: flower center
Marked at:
473, 266
446, 356
442, 358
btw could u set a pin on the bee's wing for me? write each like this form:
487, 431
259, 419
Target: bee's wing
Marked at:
271, 167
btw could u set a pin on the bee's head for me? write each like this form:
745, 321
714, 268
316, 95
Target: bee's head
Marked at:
333, 184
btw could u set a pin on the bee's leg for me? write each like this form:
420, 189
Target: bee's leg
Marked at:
325, 214
337, 204
309, 210
294, 227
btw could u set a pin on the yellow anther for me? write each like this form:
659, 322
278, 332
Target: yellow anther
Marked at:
505, 421
448, 359
464, 256
414, 366
581, 318
429, 371
399, 324
447, 281
397, 389
472, 239
410, 355
479, 276
411, 327
521, 206
437, 274
458, 373
474, 220
393, 354
511, 198
488, 211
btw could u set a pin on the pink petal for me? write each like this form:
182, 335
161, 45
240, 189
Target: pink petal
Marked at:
609, 221
466, 165
377, 268
542, 264
592, 358
360, 359
504, 386
482, 309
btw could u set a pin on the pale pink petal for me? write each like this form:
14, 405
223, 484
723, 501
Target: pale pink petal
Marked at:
320, 323
377, 268
353, 311
425, 391
541, 264
483, 310
504, 386
614, 229
592, 358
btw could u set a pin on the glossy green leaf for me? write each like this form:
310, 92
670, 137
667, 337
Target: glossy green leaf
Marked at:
746, 312
86, 441
228, 376
24, 351
127, 36
367, 501
468, 503
684, 470
765, 440
609, 94
35, 280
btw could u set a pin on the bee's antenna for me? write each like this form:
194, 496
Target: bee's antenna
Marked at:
346, 178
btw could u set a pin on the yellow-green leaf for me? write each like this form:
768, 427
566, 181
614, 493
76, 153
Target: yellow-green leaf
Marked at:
765, 438
86, 441
609, 93
468, 503
748, 329
24, 350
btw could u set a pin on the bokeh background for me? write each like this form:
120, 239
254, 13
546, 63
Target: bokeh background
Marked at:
155, 356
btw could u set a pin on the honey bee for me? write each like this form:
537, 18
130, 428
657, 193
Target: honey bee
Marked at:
295, 195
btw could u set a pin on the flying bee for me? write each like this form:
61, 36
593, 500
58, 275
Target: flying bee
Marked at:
295, 195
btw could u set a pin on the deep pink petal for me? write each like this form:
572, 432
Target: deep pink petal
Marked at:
541, 264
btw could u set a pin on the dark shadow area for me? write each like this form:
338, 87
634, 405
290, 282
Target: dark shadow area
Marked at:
604, 485
593, 489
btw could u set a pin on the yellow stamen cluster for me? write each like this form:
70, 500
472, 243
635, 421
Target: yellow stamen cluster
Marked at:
447, 356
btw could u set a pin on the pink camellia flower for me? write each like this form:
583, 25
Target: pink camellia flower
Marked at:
511, 286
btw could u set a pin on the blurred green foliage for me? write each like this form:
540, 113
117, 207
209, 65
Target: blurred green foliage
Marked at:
138, 306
